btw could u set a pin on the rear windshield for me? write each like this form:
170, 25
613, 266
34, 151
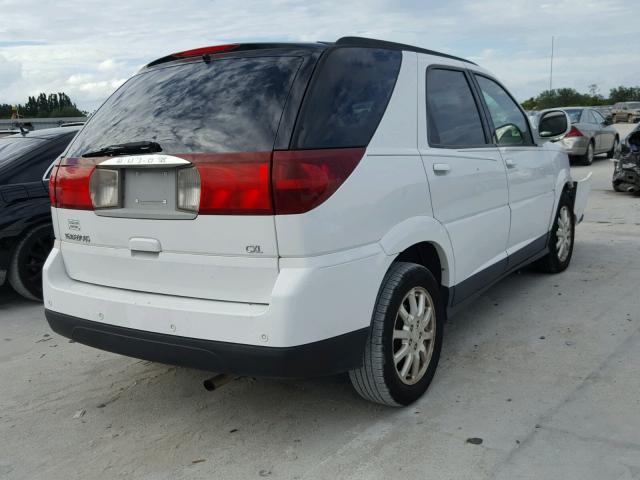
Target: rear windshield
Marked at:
225, 105
347, 98
574, 114
634, 104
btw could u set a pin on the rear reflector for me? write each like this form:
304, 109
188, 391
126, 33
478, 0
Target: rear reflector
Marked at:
574, 132
104, 188
234, 183
303, 179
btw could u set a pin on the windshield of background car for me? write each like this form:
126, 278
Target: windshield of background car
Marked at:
574, 114
15, 146
224, 105
634, 105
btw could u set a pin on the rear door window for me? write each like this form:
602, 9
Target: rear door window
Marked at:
453, 119
347, 98
224, 105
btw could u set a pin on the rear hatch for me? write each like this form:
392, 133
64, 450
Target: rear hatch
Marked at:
201, 127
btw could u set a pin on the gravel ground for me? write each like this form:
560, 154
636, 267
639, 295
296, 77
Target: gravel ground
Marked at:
539, 379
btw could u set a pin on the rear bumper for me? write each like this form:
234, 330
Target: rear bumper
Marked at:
333, 355
321, 305
574, 145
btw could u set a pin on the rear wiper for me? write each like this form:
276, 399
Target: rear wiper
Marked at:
125, 149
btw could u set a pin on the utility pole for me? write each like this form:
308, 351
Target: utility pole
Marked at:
551, 72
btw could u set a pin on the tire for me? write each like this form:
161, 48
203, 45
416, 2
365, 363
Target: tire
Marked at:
380, 379
617, 187
616, 144
25, 269
558, 260
587, 158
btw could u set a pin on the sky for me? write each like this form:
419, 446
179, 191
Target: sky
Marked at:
87, 48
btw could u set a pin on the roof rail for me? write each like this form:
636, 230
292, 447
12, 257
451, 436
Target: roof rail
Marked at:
372, 42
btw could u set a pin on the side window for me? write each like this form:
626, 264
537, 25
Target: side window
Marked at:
453, 119
510, 124
347, 98
598, 116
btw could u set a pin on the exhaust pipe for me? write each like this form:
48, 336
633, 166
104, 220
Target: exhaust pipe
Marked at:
218, 381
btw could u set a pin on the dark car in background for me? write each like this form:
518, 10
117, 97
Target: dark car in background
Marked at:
626, 172
26, 232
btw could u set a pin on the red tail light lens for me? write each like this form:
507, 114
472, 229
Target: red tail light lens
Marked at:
52, 184
230, 183
303, 179
234, 183
71, 184
574, 132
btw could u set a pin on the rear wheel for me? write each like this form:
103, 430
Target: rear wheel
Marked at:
614, 149
403, 348
561, 239
25, 270
587, 158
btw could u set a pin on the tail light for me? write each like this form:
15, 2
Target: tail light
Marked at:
69, 184
303, 179
104, 188
234, 183
256, 183
574, 132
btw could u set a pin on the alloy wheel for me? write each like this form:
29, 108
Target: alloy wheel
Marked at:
564, 234
414, 335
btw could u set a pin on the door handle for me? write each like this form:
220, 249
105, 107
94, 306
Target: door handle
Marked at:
510, 163
441, 167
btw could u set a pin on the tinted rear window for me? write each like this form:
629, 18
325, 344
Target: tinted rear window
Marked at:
453, 118
347, 98
226, 105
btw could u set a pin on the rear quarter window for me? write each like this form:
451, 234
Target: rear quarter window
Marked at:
347, 98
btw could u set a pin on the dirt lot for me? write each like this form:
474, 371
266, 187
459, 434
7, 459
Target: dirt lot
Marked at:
543, 369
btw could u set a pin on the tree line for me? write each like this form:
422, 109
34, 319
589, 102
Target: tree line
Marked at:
564, 97
43, 106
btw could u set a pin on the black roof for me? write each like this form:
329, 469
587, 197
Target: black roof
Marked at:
372, 42
344, 41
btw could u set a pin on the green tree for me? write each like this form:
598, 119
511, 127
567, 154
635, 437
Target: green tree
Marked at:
624, 94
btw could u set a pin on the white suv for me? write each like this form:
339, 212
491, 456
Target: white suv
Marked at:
294, 210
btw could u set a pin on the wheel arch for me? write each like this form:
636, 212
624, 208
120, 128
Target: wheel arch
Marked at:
425, 241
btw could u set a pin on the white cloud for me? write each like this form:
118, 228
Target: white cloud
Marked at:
87, 47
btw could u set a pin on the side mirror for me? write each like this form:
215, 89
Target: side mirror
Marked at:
553, 125
608, 120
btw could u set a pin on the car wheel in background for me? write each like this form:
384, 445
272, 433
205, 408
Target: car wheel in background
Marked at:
25, 270
613, 153
403, 348
587, 158
561, 239
617, 187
